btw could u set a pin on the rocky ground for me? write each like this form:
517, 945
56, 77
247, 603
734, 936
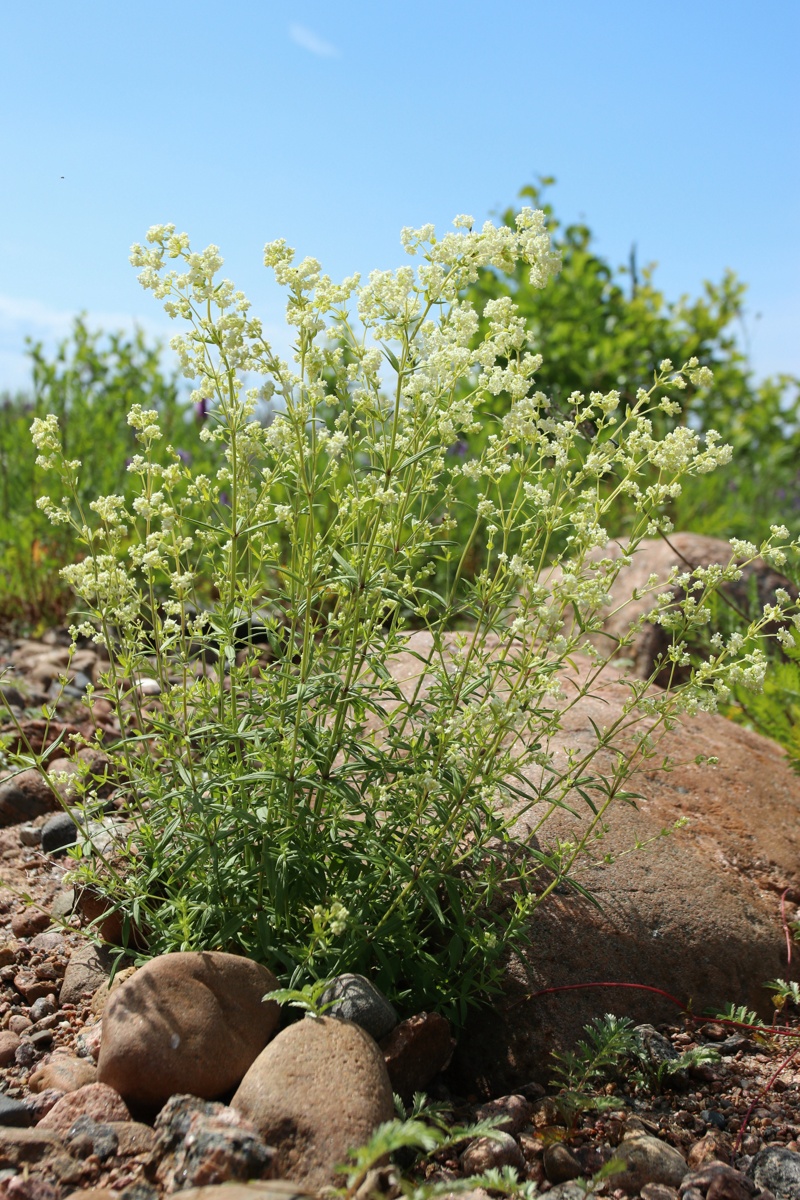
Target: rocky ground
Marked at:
91, 1098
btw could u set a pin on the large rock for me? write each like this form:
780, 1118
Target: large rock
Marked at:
658, 556
697, 914
319, 1089
188, 1022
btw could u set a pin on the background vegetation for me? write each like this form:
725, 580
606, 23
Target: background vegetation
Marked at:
597, 328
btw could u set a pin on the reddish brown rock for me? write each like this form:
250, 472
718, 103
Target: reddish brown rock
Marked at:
8, 1046
106, 922
513, 1113
696, 914
21, 1147
716, 1146
186, 1023
490, 1153
319, 1089
416, 1050
63, 1072
32, 986
658, 556
132, 1137
95, 1100
29, 922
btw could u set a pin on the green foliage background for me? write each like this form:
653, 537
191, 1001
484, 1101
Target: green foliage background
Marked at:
599, 329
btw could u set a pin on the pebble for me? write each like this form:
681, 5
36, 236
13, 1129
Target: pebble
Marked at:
42, 1008
63, 1072
27, 1187
560, 1164
9, 695
416, 1050
93, 1100
31, 987
39, 1104
9, 1041
29, 922
24, 797
89, 966
487, 1153
716, 1146
25, 1053
354, 998
778, 1169
30, 835
87, 1136
514, 1113
59, 832
720, 1181
648, 1160
202, 1142
63, 903
13, 1112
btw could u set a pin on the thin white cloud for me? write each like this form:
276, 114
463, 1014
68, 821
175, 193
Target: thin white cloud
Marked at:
309, 41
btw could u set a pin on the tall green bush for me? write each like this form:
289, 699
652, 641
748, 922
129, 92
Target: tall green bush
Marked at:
599, 328
89, 383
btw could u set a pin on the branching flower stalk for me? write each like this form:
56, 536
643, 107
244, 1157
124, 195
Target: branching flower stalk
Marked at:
337, 730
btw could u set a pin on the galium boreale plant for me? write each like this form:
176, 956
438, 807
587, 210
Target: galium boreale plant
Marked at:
333, 774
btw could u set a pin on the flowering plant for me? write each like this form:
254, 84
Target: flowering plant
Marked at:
333, 774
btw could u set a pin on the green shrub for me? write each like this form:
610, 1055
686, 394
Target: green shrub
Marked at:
599, 329
288, 797
89, 384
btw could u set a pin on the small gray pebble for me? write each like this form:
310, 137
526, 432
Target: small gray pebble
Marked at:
25, 1053
356, 999
87, 1136
41, 1008
58, 833
13, 1112
30, 835
63, 903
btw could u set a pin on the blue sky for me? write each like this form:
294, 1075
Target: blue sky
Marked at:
674, 126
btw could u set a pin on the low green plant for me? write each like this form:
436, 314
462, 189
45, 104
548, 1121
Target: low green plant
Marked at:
348, 767
785, 994
613, 1048
421, 1133
738, 1014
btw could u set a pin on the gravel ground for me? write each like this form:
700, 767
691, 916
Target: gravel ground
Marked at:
727, 1111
